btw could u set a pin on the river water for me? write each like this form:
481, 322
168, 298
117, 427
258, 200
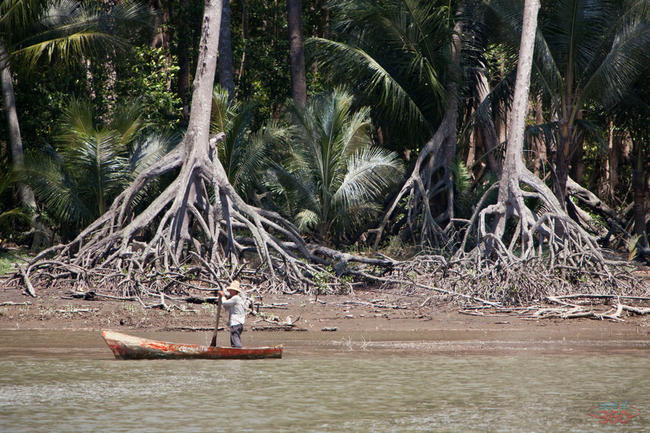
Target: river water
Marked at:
69, 382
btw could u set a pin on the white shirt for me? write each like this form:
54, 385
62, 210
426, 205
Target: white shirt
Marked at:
237, 309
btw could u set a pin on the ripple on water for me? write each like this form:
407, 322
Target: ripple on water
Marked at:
323, 394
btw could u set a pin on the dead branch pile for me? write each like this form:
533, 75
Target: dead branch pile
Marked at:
577, 306
503, 281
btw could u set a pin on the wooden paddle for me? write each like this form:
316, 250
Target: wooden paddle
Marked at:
216, 327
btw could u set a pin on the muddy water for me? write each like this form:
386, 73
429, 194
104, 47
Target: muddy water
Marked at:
69, 382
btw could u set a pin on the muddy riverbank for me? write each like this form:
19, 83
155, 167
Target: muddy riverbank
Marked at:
365, 320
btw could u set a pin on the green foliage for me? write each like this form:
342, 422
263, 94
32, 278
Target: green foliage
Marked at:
332, 175
397, 55
92, 163
265, 74
585, 51
12, 219
66, 29
244, 151
322, 280
147, 74
9, 260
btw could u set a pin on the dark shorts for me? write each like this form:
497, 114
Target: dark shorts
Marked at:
235, 335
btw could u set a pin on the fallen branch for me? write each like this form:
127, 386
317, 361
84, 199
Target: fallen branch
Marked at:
9, 303
603, 296
636, 310
28, 284
280, 327
192, 328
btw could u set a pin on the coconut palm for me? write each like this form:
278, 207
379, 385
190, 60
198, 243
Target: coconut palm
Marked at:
399, 53
243, 151
585, 52
333, 176
92, 164
61, 29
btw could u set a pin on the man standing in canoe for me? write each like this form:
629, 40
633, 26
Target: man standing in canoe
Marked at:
233, 300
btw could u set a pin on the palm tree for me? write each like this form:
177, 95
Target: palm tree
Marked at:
243, 151
405, 55
30, 29
92, 164
333, 175
585, 51
399, 53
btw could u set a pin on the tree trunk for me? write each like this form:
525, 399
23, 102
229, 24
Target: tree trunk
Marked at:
639, 193
562, 162
297, 53
539, 142
486, 131
544, 231
197, 229
578, 165
613, 162
25, 193
431, 177
184, 44
470, 159
225, 52
513, 163
515, 147
244, 35
161, 21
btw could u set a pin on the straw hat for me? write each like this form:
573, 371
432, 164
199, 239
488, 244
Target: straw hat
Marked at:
234, 286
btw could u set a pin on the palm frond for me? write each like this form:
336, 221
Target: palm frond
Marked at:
57, 191
462, 176
16, 16
67, 29
625, 60
253, 155
295, 187
369, 173
392, 95
126, 119
307, 219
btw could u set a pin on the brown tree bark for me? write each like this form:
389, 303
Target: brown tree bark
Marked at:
577, 164
184, 56
244, 31
297, 53
539, 142
161, 20
486, 131
639, 182
226, 79
562, 162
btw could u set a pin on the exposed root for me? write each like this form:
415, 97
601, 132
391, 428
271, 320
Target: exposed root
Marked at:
431, 178
500, 282
184, 240
198, 232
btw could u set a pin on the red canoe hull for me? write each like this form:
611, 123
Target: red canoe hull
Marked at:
130, 347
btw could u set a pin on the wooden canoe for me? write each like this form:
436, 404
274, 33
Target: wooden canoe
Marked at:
130, 347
